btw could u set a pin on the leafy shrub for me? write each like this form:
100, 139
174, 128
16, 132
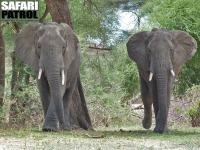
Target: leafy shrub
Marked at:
109, 79
194, 112
186, 108
26, 107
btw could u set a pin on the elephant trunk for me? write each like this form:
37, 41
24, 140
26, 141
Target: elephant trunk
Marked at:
162, 93
54, 80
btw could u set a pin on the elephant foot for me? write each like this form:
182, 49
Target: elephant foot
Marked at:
65, 127
49, 129
161, 130
50, 126
146, 123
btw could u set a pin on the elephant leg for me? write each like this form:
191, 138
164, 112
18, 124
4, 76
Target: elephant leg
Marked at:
44, 90
154, 97
51, 120
66, 99
146, 99
161, 127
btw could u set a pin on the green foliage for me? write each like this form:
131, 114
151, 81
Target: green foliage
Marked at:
109, 79
94, 19
194, 108
193, 112
178, 15
186, 108
26, 107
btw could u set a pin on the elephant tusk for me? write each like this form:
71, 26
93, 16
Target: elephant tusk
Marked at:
63, 77
39, 74
150, 76
172, 72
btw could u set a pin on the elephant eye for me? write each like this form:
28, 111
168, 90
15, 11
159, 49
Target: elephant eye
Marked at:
64, 47
39, 46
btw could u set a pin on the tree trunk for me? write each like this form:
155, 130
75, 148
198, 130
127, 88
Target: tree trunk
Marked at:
2, 68
17, 68
19, 76
79, 116
59, 11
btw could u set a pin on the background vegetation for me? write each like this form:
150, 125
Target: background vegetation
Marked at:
110, 78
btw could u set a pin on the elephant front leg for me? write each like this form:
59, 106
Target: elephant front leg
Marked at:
66, 100
146, 99
161, 121
44, 91
50, 124
51, 120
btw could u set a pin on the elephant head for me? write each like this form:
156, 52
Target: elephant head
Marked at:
159, 55
52, 51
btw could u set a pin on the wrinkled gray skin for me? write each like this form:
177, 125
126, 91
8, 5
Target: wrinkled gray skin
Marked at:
159, 52
52, 48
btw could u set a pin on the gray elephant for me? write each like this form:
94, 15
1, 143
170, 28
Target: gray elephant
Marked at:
159, 55
52, 50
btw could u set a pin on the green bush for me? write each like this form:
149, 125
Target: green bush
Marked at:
186, 108
109, 79
26, 107
193, 112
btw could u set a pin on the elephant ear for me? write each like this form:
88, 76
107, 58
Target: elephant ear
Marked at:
185, 46
25, 45
137, 50
72, 45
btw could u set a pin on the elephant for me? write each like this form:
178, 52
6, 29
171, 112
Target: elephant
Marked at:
159, 54
52, 51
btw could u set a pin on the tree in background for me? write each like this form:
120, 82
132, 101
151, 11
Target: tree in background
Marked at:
2, 67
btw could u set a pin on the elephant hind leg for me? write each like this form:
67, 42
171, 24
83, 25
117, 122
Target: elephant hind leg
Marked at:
146, 99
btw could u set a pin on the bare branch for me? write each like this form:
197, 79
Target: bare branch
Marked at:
44, 15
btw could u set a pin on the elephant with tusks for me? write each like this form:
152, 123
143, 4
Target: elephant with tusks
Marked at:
159, 55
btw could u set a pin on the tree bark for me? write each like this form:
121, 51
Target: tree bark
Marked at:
59, 11
2, 67
79, 116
